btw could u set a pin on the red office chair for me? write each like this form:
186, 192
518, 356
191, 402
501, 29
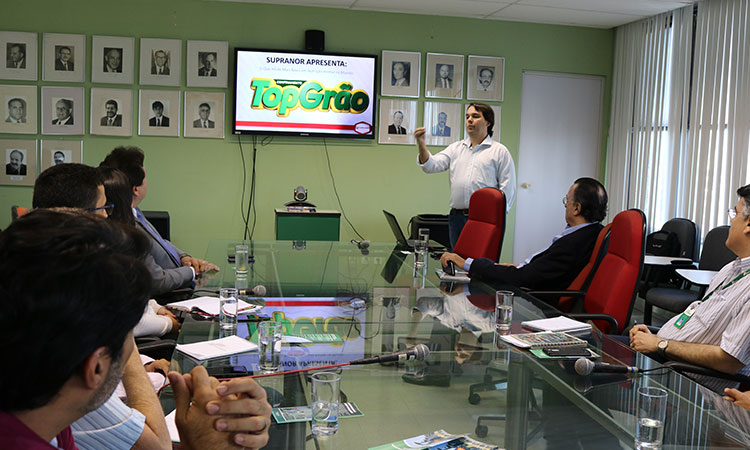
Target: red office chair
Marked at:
582, 281
610, 295
482, 236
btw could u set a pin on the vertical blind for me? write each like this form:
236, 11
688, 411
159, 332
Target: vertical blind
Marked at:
680, 123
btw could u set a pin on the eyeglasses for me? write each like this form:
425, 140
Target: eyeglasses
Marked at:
107, 208
732, 213
565, 200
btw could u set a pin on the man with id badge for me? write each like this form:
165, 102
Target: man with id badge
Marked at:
713, 332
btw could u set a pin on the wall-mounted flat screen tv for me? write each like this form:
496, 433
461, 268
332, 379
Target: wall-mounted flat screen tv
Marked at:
304, 94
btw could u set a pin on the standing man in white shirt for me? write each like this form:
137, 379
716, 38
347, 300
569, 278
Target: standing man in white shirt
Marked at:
474, 163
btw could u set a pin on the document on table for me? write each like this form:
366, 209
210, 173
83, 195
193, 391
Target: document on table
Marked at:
172, 427
229, 345
210, 305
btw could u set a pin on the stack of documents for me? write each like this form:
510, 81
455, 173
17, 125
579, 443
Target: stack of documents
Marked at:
561, 323
210, 305
229, 345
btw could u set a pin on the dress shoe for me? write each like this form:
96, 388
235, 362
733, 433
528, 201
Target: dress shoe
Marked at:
427, 379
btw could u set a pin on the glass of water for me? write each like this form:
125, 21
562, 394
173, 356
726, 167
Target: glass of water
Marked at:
269, 342
228, 311
652, 411
240, 260
503, 309
325, 403
420, 248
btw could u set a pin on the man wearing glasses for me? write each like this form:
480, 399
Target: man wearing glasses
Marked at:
555, 267
712, 332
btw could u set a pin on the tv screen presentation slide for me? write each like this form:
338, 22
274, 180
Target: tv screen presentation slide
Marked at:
305, 94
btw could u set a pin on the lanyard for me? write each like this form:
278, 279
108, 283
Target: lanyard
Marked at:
685, 316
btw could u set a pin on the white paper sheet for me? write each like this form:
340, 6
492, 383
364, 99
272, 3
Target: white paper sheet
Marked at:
229, 345
210, 305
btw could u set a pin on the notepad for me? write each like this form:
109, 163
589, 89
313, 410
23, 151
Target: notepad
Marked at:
544, 339
216, 348
561, 324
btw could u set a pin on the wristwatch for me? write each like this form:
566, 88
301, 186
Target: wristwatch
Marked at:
661, 347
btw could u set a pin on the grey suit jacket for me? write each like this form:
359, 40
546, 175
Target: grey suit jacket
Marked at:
167, 274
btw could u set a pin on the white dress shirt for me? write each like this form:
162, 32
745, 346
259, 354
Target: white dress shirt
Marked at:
488, 164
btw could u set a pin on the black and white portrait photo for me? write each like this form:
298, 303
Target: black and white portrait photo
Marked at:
64, 57
160, 62
400, 73
445, 75
443, 122
204, 114
208, 64
16, 110
59, 157
112, 59
64, 112
111, 117
395, 126
158, 119
54, 152
441, 128
397, 121
16, 55
16, 162
485, 77
64, 60
444, 79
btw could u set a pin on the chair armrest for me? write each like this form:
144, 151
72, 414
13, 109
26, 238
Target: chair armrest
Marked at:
540, 294
682, 367
592, 316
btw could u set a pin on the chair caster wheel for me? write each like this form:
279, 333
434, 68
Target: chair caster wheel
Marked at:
474, 399
481, 431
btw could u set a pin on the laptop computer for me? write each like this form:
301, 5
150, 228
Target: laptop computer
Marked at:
401, 238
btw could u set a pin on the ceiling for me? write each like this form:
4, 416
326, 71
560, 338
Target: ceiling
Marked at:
584, 13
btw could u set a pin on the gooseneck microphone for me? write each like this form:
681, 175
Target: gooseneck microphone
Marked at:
584, 367
419, 352
258, 291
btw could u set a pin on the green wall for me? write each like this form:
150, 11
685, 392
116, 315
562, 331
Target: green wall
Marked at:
199, 181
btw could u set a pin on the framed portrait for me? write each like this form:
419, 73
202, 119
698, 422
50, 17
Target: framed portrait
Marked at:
19, 51
112, 59
158, 113
398, 119
18, 106
111, 112
62, 110
207, 63
400, 73
486, 74
64, 57
497, 110
445, 76
60, 152
20, 162
204, 115
161, 61
442, 122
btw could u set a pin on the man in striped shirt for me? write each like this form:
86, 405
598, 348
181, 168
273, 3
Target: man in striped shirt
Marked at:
713, 332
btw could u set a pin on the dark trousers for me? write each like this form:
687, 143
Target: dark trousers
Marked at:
456, 222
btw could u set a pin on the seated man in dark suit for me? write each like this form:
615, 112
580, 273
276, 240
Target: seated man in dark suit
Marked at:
556, 266
130, 161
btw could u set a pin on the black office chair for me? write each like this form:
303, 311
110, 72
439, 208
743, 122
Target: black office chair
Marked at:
714, 256
686, 233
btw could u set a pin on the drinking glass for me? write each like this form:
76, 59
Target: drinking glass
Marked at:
269, 342
228, 310
325, 403
503, 309
652, 411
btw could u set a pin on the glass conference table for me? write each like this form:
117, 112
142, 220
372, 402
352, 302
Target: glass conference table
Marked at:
472, 383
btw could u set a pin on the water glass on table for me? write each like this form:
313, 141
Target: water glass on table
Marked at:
503, 309
421, 247
240, 260
652, 412
228, 311
269, 346
325, 403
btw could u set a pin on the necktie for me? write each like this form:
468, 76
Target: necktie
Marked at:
158, 122
109, 122
204, 124
168, 247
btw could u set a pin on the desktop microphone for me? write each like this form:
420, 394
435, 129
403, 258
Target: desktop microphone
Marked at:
362, 245
419, 352
258, 291
584, 367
